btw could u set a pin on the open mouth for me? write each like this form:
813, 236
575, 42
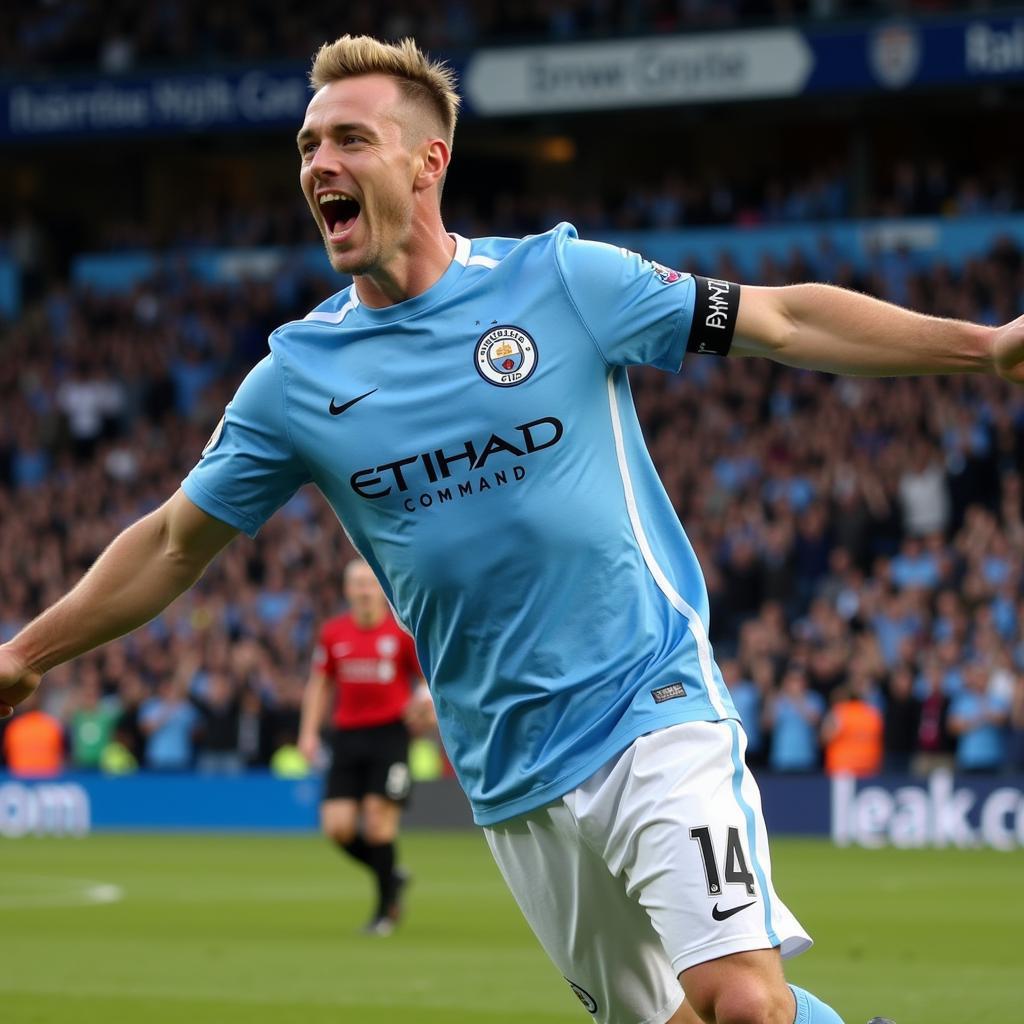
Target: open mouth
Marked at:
339, 211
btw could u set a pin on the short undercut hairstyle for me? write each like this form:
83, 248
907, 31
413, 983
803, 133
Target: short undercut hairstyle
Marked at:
428, 83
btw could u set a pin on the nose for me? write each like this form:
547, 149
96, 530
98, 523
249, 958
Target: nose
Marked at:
326, 161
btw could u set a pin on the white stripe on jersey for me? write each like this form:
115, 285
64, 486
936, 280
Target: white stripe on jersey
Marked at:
463, 246
675, 599
463, 255
332, 318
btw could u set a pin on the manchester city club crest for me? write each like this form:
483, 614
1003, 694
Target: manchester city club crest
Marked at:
506, 356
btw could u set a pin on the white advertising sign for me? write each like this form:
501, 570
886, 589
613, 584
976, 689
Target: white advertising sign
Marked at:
639, 72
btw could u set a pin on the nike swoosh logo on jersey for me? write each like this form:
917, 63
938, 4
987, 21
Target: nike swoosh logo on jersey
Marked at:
723, 915
337, 410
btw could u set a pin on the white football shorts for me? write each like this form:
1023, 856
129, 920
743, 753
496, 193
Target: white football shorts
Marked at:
658, 862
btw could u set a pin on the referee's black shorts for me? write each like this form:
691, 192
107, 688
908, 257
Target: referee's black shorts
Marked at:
374, 760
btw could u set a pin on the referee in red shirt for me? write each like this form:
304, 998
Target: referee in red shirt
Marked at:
365, 668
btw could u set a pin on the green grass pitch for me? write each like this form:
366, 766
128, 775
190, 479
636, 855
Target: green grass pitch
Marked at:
263, 930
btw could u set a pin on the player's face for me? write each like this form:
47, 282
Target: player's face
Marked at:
357, 172
362, 592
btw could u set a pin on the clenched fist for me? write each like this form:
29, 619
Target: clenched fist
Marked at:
17, 681
1008, 351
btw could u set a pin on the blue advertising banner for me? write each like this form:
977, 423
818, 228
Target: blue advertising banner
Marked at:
670, 69
79, 804
778, 62
940, 811
164, 104
905, 54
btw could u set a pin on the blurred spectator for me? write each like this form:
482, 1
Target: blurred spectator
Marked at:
793, 715
935, 746
749, 699
90, 403
170, 724
924, 493
93, 719
978, 720
128, 731
902, 720
219, 705
33, 743
915, 567
255, 744
852, 732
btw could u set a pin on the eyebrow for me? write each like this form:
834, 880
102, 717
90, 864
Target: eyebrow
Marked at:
335, 129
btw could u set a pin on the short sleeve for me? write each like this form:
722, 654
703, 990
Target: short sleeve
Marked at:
412, 662
249, 467
637, 311
322, 653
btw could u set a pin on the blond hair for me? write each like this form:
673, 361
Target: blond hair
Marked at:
426, 82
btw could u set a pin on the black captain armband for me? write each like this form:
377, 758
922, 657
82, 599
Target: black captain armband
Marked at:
714, 316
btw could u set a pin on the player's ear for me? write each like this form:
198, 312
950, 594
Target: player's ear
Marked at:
434, 156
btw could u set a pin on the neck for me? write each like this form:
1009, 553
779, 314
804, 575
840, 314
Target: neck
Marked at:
368, 618
419, 265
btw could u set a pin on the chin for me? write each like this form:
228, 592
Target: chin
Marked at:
352, 261
346, 262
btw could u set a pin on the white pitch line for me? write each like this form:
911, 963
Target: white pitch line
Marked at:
48, 891
105, 892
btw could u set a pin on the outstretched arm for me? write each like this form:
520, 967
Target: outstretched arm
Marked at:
143, 570
315, 703
820, 327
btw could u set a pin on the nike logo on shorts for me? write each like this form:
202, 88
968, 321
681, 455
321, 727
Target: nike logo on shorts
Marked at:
724, 915
337, 410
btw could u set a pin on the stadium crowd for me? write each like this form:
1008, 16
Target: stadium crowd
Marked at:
862, 539
920, 187
748, 197
117, 37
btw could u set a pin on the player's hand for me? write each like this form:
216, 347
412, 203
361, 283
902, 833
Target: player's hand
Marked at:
17, 681
309, 748
1008, 351
420, 716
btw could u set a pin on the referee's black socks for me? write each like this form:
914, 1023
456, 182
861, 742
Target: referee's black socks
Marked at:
382, 864
359, 849
380, 859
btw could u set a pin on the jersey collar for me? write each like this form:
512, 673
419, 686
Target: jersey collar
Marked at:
410, 307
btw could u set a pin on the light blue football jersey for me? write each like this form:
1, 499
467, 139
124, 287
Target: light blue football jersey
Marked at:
479, 445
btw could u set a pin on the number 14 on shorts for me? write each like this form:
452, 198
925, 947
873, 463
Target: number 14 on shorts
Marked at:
735, 870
